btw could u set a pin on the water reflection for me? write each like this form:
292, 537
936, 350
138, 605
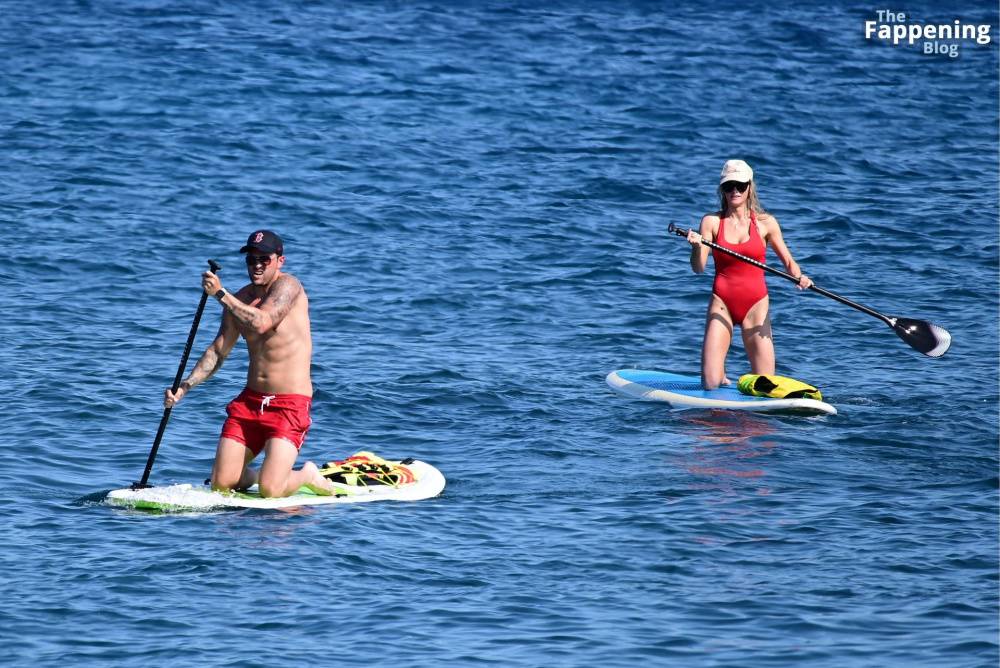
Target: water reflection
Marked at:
728, 443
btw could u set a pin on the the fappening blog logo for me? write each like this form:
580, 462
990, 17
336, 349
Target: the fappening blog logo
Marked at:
933, 38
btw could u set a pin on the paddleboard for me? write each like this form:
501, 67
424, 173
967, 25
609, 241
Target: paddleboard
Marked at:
682, 391
428, 483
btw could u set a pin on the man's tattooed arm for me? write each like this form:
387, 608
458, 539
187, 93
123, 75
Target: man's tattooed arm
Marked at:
271, 311
206, 367
216, 353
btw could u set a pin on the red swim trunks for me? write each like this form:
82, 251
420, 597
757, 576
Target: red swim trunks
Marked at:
254, 418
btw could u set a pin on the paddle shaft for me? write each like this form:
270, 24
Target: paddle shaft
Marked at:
177, 383
681, 232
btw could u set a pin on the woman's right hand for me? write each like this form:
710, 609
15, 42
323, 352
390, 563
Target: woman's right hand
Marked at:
693, 238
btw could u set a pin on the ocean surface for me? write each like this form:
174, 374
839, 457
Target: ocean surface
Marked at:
476, 198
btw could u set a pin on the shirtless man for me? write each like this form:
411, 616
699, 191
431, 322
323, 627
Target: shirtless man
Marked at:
271, 415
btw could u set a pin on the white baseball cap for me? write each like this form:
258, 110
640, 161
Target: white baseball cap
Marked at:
736, 170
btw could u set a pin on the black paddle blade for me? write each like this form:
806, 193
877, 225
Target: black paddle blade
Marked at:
923, 336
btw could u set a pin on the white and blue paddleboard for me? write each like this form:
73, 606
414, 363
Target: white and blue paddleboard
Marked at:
682, 391
428, 482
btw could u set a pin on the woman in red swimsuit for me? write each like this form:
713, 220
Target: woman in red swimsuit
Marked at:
739, 294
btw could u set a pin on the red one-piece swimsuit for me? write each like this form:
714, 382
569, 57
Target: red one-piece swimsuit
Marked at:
739, 285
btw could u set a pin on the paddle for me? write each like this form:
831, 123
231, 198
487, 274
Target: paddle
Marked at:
923, 336
177, 383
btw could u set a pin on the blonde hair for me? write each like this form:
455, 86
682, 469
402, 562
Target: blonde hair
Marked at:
752, 201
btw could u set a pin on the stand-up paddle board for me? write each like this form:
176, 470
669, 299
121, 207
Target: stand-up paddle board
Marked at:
686, 392
422, 482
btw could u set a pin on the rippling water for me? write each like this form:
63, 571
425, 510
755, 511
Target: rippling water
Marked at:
476, 197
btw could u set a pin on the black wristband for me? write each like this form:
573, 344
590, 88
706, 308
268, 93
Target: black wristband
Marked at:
219, 294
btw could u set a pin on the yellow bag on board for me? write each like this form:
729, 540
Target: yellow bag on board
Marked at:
778, 387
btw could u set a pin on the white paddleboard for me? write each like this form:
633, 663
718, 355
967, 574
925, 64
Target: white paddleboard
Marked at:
186, 497
682, 391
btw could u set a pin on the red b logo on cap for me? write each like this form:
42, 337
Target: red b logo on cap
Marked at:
257, 237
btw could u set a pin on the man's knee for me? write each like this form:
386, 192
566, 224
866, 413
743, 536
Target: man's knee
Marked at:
271, 486
224, 483
228, 480
269, 492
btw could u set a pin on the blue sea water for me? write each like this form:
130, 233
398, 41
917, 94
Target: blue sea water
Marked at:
476, 196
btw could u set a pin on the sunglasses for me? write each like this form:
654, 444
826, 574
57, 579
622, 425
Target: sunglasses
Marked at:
730, 186
254, 260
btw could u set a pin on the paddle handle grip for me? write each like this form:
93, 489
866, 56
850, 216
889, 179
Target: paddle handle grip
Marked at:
681, 232
215, 267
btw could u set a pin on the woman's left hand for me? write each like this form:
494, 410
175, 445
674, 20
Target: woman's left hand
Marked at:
804, 282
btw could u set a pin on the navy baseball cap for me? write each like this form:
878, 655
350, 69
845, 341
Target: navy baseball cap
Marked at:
265, 241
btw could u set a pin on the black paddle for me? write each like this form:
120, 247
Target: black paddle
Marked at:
923, 336
177, 383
